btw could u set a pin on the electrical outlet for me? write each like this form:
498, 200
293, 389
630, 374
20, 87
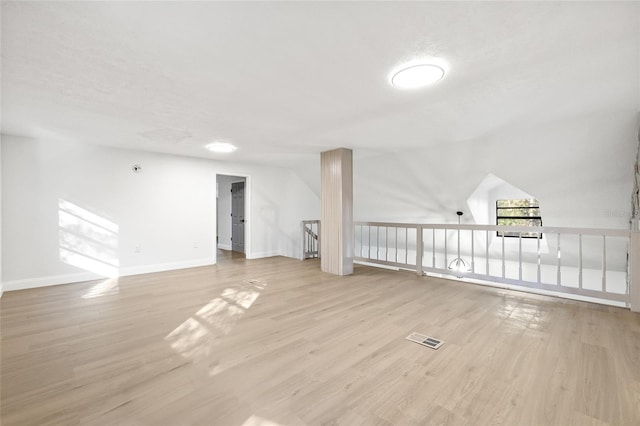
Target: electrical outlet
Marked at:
136, 249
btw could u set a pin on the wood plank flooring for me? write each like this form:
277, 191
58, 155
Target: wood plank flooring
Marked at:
277, 342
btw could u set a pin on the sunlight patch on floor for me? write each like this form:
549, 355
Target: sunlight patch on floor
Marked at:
103, 288
220, 314
197, 336
259, 421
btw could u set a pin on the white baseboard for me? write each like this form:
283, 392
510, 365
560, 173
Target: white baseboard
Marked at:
261, 254
161, 267
224, 247
376, 265
90, 276
49, 281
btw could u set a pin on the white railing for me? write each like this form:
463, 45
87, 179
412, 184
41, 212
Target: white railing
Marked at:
310, 239
579, 261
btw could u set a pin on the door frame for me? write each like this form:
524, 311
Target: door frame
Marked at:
247, 211
236, 245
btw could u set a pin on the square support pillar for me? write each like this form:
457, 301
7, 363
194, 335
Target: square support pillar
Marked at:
336, 232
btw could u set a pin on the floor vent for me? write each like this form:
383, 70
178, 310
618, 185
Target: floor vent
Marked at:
425, 340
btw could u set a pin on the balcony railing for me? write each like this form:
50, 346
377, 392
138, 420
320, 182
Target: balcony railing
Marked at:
601, 265
310, 239
586, 262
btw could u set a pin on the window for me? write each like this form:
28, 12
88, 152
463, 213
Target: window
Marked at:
523, 212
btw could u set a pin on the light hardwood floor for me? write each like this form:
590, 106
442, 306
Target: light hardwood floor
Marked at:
277, 342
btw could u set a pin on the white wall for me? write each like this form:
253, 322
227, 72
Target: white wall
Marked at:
279, 202
580, 170
224, 209
1, 282
62, 203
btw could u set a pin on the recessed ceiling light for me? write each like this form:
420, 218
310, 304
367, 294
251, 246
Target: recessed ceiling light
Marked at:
417, 75
225, 147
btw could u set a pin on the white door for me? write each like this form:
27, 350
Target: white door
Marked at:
237, 217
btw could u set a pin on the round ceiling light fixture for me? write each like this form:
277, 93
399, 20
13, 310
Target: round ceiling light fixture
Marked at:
222, 147
416, 76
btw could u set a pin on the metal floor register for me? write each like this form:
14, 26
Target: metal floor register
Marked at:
425, 340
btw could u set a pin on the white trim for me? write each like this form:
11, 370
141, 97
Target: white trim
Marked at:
90, 276
625, 233
146, 269
260, 255
50, 281
376, 265
224, 247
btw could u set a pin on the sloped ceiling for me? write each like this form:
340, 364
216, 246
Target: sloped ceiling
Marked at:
285, 81
545, 95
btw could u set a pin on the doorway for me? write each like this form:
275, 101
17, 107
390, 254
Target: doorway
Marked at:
237, 216
232, 213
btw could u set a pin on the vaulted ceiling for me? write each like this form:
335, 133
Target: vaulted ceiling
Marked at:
285, 81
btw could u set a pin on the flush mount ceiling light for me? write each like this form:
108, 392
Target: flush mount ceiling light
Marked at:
416, 76
224, 147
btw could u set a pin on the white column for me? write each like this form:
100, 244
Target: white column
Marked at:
336, 230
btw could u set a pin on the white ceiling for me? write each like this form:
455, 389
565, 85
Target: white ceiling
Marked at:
285, 81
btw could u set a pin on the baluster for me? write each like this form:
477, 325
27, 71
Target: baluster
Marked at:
386, 243
433, 248
604, 263
419, 249
580, 261
538, 254
396, 244
473, 266
520, 256
503, 268
487, 253
559, 278
446, 259
406, 247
